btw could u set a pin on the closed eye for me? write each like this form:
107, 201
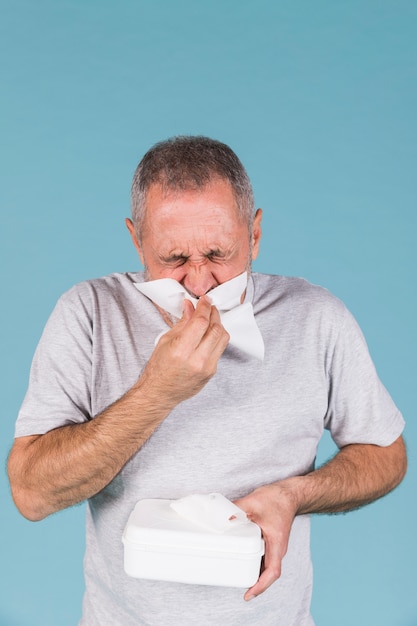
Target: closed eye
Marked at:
176, 259
181, 259
215, 254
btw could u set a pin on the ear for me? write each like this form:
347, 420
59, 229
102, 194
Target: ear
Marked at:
256, 233
132, 231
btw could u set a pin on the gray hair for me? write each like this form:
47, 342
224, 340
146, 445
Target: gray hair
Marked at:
190, 162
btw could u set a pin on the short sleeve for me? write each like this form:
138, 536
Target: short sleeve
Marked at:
360, 410
60, 378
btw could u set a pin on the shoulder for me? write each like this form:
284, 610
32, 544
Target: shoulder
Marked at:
88, 293
86, 303
296, 295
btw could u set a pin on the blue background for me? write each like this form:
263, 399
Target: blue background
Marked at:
319, 100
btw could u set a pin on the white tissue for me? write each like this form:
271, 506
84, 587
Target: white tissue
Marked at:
212, 512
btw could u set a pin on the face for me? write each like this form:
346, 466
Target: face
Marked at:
196, 237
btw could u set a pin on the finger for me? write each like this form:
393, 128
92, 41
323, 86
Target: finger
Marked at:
202, 322
201, 311
187, 328
215, 339
271, 572
187, 310
199, 336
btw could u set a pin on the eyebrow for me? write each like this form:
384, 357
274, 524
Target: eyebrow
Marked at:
174, 257
182, 256
216, 252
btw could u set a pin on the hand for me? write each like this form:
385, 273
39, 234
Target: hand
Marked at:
273, 509
69, 464
186, 357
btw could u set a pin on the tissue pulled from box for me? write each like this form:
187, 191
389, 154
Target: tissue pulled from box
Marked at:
212, 512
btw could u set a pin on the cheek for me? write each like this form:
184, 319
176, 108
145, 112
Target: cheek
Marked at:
177, 273
158, 270
220, 274
223, 273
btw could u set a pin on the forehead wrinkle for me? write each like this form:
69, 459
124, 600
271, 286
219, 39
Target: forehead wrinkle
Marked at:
198, 239
177, 250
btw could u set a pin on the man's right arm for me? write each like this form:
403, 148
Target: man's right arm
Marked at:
67, 465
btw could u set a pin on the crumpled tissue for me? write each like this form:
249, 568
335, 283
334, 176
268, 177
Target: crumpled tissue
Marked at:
212, 512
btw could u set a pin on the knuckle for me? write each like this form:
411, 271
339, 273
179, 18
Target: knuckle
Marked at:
203, 368
176, 346
195, 365
200, 322
217, 330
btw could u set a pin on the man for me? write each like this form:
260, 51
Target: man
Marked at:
113, 418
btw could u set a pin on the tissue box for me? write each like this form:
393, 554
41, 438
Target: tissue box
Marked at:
159, 544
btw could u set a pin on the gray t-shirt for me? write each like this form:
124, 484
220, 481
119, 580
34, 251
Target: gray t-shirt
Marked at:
253, 423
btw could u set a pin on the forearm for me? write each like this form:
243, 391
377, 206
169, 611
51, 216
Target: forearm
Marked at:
357, 475
67, 465
70, 464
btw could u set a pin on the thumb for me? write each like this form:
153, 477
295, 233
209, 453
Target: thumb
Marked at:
187, 309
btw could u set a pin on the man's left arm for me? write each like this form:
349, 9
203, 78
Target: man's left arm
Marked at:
357, 475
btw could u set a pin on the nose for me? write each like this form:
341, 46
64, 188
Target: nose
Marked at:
198, 279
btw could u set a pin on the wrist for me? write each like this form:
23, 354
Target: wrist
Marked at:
152, 396
284, 494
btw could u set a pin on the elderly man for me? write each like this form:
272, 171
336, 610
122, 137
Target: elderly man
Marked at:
143, 388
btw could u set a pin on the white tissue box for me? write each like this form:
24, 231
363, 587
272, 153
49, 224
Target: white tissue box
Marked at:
159, 544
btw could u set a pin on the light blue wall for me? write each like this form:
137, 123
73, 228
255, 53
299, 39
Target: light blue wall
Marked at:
319, 101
